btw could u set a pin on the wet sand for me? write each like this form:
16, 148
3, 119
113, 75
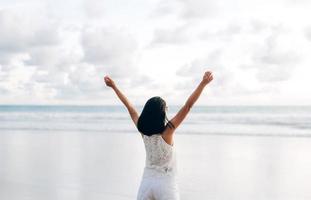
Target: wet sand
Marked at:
109, 166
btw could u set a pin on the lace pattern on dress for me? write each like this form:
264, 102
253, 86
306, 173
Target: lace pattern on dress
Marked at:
160, 156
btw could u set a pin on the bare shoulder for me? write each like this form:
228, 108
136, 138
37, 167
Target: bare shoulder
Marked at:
168, 135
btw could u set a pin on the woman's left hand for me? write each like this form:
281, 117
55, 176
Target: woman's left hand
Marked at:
109, 82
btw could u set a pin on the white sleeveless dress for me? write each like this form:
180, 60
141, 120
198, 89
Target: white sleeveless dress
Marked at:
159, 181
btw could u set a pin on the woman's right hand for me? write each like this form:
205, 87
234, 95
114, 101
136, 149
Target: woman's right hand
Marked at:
208, 77
109, 82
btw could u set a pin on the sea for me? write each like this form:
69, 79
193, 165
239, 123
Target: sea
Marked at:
282, 121
95, 152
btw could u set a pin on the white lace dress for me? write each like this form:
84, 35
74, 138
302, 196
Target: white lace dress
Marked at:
159, 181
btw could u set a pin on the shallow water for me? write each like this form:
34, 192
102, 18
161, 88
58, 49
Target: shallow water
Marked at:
109, 166
70, 152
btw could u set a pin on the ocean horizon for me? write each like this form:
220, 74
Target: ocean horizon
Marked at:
289, 121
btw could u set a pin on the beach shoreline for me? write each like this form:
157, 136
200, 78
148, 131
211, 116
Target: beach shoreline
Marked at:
110, 166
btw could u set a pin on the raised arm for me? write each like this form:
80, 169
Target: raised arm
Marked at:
133, 113
182, 113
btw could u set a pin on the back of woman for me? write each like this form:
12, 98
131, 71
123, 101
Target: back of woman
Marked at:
159, 176
160, 156
159, 180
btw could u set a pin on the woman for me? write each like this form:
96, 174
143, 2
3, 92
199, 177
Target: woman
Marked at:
159, 179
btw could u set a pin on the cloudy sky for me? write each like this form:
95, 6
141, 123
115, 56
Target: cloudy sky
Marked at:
57, 52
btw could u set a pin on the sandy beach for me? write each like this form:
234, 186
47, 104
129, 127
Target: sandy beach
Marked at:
60, 165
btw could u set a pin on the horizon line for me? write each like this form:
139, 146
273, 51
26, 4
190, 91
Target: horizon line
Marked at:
205, 105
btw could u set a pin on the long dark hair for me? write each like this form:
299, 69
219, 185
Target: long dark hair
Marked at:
153, 117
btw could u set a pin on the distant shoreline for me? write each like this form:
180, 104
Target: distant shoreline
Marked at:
110, 105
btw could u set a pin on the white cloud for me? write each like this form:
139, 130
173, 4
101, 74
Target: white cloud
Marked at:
192, 73
193, 9
308, 33
58, 52
110, 50
95, 8
177, 35
50, 62
19, 34
224, 33
164, 8
275, 61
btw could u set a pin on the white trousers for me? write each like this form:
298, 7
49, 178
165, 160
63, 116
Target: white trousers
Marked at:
158, 188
